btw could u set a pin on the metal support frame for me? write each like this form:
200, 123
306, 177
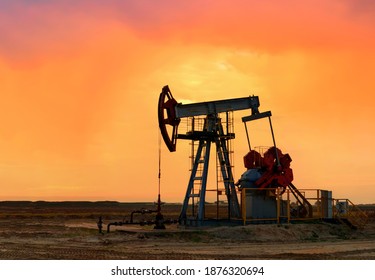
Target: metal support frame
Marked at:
212, 132
170, 113
226, 171
193, 177
256, 117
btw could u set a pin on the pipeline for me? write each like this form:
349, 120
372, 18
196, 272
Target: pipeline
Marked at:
159, 221
143, 223
142, 211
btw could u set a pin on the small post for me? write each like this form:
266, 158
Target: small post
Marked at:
288, 205
319, 205
100, 224
243, 205
278, 205
159, 219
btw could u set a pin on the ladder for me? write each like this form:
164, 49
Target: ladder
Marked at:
224, 168
212, 132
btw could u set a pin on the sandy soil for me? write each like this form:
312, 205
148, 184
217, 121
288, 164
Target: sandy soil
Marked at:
70, 237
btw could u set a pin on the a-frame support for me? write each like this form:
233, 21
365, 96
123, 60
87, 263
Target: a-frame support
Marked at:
212, 133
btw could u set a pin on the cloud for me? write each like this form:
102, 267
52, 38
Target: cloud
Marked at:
361, 8
29, 28
265, 26
80, 80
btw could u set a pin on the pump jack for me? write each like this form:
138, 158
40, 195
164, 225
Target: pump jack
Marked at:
170, 113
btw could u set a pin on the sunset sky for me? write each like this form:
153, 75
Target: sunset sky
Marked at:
80, 81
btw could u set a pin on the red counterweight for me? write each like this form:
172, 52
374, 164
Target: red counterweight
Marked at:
273, 175
167, 105
253, 159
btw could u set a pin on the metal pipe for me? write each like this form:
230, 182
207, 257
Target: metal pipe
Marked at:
247, 136
142, 211
274, 143
114, 224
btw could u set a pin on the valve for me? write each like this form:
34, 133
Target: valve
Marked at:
167, 104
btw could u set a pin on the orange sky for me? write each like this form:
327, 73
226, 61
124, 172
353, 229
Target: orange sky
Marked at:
80, 82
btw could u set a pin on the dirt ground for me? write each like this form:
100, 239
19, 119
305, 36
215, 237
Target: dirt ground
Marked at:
45, 232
